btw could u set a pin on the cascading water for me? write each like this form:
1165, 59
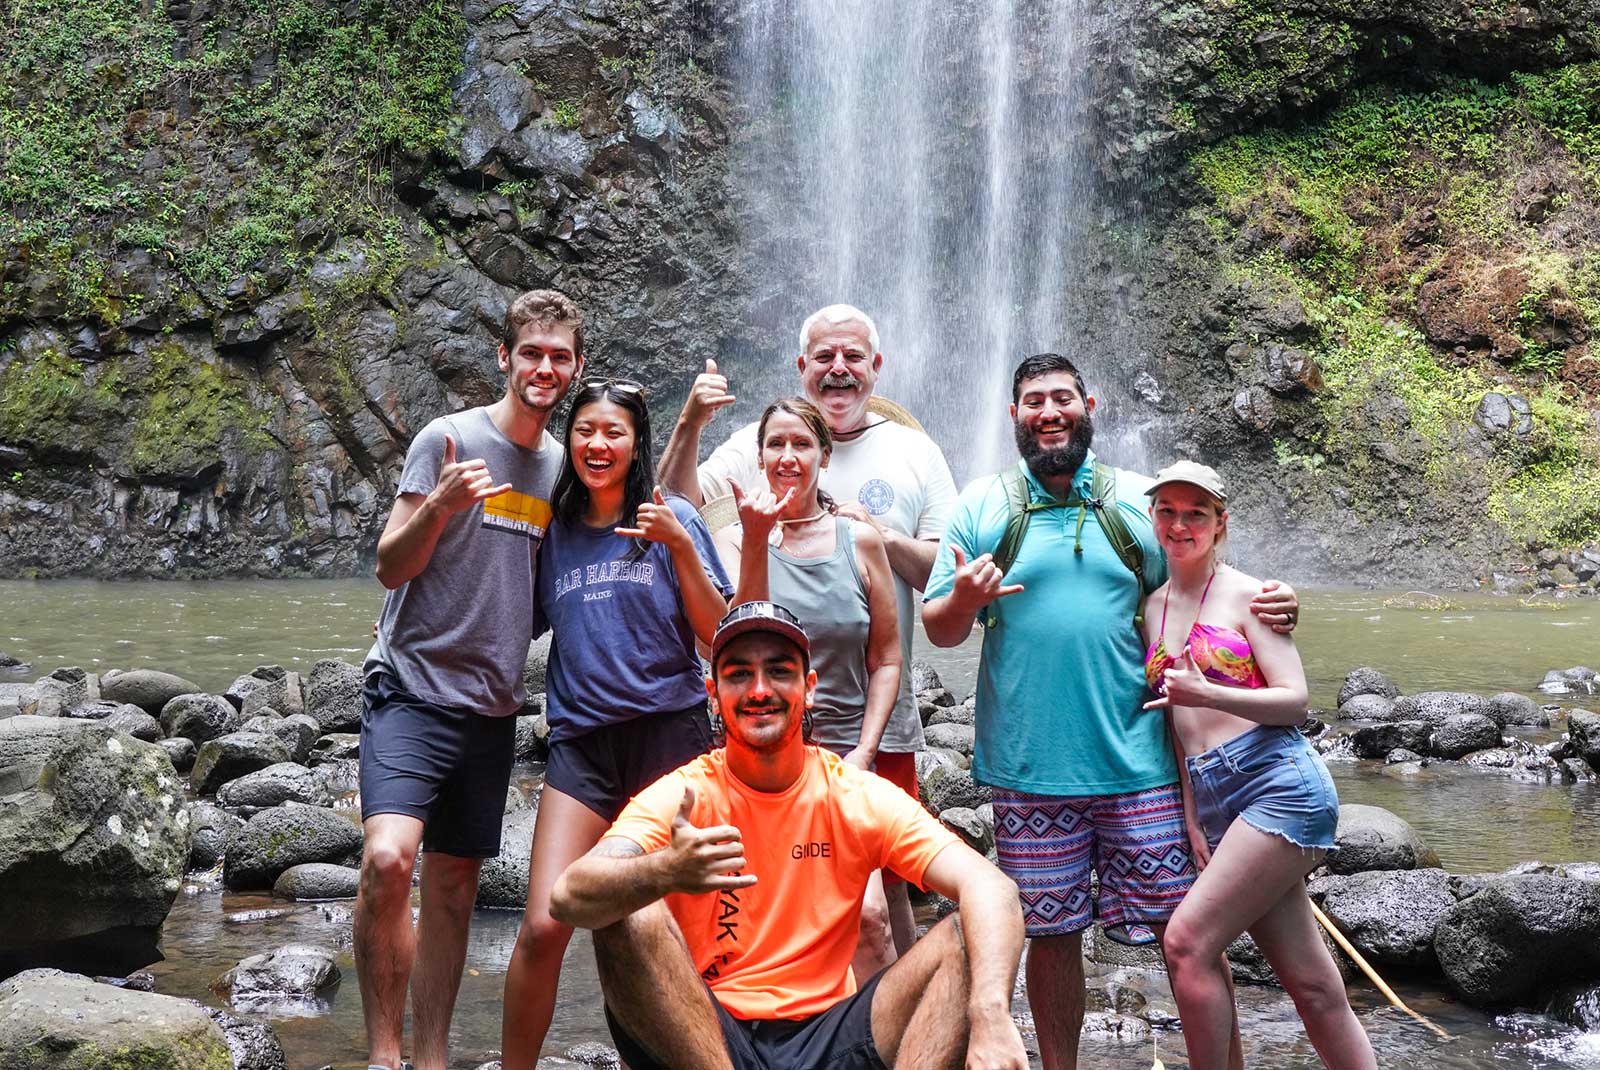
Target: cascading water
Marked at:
930, 164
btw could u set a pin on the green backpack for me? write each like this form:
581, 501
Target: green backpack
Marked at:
1102, 499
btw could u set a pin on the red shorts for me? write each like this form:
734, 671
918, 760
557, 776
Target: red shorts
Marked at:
899, 769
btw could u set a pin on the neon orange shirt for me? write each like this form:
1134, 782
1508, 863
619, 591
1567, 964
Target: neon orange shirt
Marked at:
782, 948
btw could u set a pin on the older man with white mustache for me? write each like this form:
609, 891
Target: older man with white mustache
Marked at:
881, 472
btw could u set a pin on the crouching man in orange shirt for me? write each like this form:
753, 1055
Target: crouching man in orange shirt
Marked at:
726, 898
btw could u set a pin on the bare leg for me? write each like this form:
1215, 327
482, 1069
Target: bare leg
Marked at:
1055, 994
875, 944
1288, 936
385, 942
919, 1012
652, 988
566, 829
449, 890
902, 922
1248, 873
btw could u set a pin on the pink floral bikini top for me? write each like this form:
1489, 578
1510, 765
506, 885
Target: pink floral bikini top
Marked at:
1221, 654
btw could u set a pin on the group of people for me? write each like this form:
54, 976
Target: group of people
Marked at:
740, 840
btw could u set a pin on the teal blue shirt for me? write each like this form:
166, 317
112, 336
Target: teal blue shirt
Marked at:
1061, 675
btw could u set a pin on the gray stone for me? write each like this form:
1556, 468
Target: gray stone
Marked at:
199, 717
180, 750
1435, 706
962, 714
335, 747
299, 732
317, 881
149, 689
1367, 681
1577, 1006
595, 1055
503, 880
924, 677
1583, 735
51, 1020
274, 786
533, 666
1399, 756
340, 777
286, 836
1376, 741
1463, 733
1118, 1028
950, 788
1390, 916
1510, 708
1519, 934
970, 826
957, 737
533, 739
1366, 708
267, 686
232, 756
291, 970
1370, 837
91, 852
253, 1045
1578, 680
212, 832
100, 709
333, 695
120, 717
54, 694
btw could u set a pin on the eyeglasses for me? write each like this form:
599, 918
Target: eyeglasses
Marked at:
623, 387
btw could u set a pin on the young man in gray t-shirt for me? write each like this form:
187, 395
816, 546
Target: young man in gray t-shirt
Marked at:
444, 680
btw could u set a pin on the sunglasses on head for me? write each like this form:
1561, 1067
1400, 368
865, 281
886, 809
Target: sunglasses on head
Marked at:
621, 387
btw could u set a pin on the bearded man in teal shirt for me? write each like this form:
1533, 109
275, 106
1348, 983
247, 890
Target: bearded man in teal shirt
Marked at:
1084, 779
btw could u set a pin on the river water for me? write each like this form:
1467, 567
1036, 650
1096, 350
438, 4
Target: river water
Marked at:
1477, 821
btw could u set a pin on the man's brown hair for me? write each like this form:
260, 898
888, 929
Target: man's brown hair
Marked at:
548, 308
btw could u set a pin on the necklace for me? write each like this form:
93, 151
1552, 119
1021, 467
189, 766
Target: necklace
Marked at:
805, 519
775, 539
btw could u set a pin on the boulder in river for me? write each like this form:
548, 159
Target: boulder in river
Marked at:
291, 970
503, 880
1578, 680
333, 695
533, 738
50, 1019
1366, 680
149, 689
253, 1045
335, 747
268, 686
1436, 706
212, 832
232, 756
298, 731
91, 851
1370, 837
180, 750
1462, 733
317, 881
274, 786
1520, 934
1379, 740
1510, 708
1366, 708
274, 840
118, 716
199, 717
1583, 735
1390, 915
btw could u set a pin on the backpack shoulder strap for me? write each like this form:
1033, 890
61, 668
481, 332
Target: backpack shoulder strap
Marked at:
1115, 526
1017, 513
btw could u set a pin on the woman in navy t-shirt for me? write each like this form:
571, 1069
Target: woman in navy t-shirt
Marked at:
626, 583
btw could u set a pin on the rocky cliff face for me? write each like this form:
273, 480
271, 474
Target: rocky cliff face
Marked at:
252, 247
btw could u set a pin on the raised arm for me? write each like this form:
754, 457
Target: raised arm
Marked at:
702, 602
991, 934
949, 618
417, 520
680, 460
617, 877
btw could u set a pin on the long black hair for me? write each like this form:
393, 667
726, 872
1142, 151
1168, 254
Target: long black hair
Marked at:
571, 497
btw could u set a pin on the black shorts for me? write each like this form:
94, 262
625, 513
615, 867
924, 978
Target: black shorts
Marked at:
840, 1038
447, 767
606, 767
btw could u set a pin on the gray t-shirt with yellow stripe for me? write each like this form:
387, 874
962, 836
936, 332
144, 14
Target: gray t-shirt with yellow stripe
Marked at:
457, 634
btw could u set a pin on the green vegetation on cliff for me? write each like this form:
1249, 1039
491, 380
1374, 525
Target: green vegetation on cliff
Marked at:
1442, 244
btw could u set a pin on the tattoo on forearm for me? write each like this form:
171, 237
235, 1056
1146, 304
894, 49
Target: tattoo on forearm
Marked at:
616, 847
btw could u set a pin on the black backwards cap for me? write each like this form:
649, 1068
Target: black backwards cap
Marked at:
760, 617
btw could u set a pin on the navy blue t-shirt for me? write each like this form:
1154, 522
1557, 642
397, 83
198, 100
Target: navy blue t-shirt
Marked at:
623, 646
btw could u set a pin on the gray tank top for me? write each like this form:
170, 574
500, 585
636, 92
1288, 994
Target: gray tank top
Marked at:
829, 597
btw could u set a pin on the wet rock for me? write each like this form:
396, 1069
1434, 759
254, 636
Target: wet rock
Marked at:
957, 737
291, 970
1518, 934
100, 709
333, 695
595, 1055
274, 786
1435, 706
1499, 413
533, 739
924, 677
233, 755
180, 750
1390, 916
335, 747
253, 1045
1510, 708
13, 664
149, 689
212, 832
1118, 1028
1367, 681
1578, 680
1291, 372
1400, 756
317, 881
266, 686
1370, 837
1463, 733
1255, 408
1583, 736
1376, 741
963, 714
50, 1019
950, 788
1577, 1006
119, 717
199, 717
286, 836
298, 731
1574, 771
1367, 708
503, 880
91, 851
970, 826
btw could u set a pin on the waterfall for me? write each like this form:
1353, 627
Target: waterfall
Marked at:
930, 164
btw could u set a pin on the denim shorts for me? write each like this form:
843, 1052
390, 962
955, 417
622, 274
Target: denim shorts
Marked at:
1272, 778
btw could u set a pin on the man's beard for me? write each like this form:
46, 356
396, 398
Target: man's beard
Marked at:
1064, 460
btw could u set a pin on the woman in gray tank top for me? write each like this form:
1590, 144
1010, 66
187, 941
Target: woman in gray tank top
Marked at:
790, 547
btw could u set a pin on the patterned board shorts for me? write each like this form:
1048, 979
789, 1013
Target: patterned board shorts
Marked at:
1135, 842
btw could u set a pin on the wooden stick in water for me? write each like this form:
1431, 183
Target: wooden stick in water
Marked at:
1366, 968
